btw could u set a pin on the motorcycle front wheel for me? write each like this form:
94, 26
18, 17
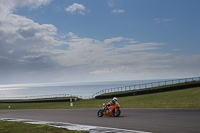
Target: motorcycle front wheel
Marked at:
100, 113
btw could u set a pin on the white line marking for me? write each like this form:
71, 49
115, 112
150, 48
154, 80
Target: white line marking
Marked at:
70, 126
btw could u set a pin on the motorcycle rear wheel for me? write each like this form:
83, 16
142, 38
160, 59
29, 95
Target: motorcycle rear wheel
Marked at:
100, 113
117, 113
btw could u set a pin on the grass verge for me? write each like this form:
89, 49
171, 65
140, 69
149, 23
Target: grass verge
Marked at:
186, 98
19, 127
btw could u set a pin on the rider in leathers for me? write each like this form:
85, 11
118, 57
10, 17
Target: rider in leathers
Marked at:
112, 102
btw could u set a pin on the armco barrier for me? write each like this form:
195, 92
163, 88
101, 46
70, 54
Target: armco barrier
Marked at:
39, 101
40, 97
141, 87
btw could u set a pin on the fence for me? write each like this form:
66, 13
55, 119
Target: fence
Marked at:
42, 96
146, 85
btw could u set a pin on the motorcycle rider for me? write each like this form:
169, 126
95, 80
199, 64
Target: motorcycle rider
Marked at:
112, 102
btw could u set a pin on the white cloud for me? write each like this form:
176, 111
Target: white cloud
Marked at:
76, 8
21, 38
9, 6
111, 3
167, 20
118, 39
118, 11
104, 71
177, 49
140, 47
158, 20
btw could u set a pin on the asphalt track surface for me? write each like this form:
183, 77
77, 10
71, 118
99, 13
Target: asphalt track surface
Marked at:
149, 120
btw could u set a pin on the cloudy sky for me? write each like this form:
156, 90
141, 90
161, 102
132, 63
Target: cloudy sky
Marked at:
98, 40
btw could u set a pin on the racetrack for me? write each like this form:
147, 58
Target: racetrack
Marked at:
150, 120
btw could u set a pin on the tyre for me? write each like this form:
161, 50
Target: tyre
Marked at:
116, 113
100, 113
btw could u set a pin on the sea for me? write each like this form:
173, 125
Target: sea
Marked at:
46, 90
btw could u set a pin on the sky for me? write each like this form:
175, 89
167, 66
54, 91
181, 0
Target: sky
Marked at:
49, 41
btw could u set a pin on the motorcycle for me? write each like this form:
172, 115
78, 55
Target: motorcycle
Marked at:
113, 110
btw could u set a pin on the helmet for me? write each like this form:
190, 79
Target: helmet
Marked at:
114, 98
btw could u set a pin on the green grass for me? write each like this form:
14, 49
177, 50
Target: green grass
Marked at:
19, 127
186, 98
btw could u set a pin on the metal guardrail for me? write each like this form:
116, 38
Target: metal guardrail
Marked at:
40, 96
146, 85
